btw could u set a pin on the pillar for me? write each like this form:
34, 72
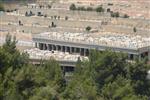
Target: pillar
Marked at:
70, 49
75, 50
61, 47
65, 49
85, 52
56, 47
52, 47
47, 45
44, 46
80, 51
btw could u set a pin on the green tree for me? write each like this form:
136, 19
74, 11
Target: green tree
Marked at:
138, 74
115, 14
10, 44
1, 7
89, 9
125, 16
88, 28
72, 7
81, 86
134, 29
100, 9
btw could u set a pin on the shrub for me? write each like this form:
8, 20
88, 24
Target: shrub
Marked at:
88, 28
99, 9
72, 7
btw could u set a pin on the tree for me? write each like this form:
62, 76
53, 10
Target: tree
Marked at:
53, 24
82, 85
134, 29
138, 74
115, 14
49, 6
89, 9
120, 89
106, 75
1, 7
88, 28
72, 7
108, 10
10, 44
100, 9
26, 14
107, 66
66, 17
125, 16
81, 8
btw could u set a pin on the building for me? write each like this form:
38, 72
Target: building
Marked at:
82, 43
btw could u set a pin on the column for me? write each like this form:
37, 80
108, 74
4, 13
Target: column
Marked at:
65, 49
70, 49
52, 47
56, 47
75, 50
85, 52
80, 51
44, 46
61, 47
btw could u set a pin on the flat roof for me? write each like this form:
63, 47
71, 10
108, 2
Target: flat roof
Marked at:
101, 38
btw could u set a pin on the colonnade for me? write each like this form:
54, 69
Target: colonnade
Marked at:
83, 51
69, 49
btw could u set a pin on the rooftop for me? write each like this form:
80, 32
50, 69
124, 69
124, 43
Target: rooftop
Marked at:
101, 38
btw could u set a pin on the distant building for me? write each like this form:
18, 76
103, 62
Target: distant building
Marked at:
82, 43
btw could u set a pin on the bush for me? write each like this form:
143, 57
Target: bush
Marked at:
88, 28
72, 7
89, 9
26, 14
81, 8
115, 14
125, 16
134, 29
99, 9
108, 10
